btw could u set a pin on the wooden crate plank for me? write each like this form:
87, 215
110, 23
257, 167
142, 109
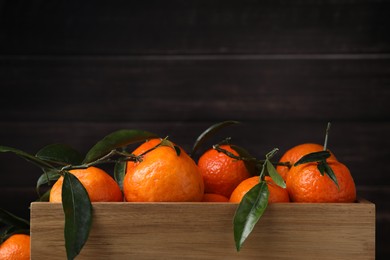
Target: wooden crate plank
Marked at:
199, 230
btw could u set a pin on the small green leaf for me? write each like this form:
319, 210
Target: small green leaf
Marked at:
313, 157
61, 154
275, 175
28, 157
115, 140
250, 164
48, 177
78, 214
120, 172
210, 132
321, 168
249, 211
9, 219
324, 167
166, 142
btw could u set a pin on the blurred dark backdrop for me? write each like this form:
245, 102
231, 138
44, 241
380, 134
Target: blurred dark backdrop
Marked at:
73, 71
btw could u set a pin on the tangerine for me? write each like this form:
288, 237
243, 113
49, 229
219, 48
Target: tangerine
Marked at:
276, 193
212, 197
297, 152
162, 175
98, 183
306, 184
16, 247
220, 172
147, 145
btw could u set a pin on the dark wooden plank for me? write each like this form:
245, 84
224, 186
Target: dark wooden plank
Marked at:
204, 89
194, 26
362, 146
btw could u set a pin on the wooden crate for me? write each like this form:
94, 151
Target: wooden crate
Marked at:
204, 231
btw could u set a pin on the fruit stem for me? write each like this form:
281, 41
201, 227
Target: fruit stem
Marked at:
250, 159
326, 136
102, 160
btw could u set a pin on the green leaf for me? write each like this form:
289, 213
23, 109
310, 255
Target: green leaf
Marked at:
7, 218
274, 174
48, 177
166, 142
250, 164
313, 157
28, 157
78, 214
120, 172
61, 154
210, 132
249, 211
115, 140
324, 167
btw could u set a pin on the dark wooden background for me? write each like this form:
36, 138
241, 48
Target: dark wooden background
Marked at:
72, 72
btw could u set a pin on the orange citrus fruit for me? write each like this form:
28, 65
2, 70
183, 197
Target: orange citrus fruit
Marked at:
98, 183
306, 184
162, 175
16, 247
212, 197
276, 193
220, 172
147, 145
297, 152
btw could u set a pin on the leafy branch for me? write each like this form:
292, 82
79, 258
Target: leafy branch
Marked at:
57, 160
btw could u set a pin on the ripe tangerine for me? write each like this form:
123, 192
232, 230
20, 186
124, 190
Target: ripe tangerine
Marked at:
17, 247
162, 175
276, 193
98, 183
306, 184
220, 172
297, 152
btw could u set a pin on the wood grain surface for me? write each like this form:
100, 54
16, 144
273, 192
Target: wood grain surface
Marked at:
204, 231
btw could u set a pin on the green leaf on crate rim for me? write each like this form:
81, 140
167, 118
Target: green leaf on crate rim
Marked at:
78, 214
115, 140
61, 154
250, 164
249, 211
28, 157
313, 157
210, 132
274, 174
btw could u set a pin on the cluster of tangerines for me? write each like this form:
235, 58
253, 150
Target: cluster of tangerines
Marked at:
163, 175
